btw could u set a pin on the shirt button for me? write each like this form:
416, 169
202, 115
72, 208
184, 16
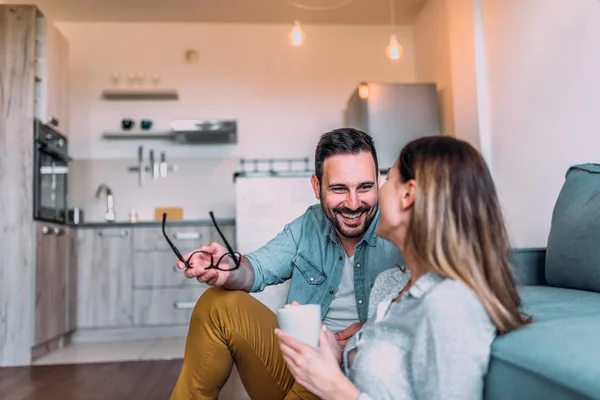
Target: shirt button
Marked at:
312, 278
357, 265
331, 292
341, 258
360, 302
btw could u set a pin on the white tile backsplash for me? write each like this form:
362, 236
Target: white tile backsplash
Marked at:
199, 186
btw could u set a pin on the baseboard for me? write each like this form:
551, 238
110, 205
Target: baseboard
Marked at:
129, 333
50, 346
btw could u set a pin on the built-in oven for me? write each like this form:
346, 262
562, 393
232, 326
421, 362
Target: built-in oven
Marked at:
50, 174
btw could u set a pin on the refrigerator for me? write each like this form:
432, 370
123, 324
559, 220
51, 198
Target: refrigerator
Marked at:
393, 114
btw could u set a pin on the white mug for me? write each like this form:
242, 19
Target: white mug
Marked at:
302, 322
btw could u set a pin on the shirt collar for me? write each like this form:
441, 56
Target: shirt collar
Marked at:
424, 284
370, 236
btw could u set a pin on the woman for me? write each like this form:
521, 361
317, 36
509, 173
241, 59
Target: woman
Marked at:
432, 323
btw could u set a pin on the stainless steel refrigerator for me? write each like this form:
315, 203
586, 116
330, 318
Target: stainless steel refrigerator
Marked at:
394, 114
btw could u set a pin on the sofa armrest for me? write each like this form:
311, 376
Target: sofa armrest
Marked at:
529, 266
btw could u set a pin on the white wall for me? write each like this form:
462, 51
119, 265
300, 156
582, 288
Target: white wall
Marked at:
199, 186
283, 97
432, 57
444, 50
461, 37
543, 65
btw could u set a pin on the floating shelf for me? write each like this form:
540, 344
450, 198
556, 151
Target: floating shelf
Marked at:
138, 135
141, 94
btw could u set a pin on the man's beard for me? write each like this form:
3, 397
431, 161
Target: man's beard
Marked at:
364, 217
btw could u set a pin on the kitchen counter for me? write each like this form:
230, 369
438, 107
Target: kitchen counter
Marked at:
152, 223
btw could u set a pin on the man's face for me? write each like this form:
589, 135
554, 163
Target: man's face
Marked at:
348, 192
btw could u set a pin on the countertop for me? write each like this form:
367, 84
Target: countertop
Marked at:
152, 223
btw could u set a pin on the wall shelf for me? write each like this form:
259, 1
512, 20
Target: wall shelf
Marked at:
165, 135
140, 94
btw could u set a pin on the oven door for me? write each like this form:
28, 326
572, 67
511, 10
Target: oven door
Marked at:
51, 186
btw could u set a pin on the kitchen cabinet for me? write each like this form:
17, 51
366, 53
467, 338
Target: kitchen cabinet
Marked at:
52, 68
162, 294
104, 278
128, 283
51, 282
72, 280
33, 289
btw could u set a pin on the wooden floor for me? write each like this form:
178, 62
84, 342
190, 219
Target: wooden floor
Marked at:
146, 380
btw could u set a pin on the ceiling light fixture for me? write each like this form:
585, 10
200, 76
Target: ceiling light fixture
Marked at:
393, 50
363, 90
330, 7
296, 34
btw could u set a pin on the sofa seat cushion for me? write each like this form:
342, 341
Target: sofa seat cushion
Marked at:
545, 303
555, 357
551, 359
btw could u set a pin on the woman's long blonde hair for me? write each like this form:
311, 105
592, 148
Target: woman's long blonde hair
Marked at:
456, 228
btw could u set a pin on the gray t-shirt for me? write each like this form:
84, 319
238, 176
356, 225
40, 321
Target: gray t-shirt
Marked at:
343, 312
434, 343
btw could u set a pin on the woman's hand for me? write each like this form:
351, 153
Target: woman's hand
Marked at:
317, 369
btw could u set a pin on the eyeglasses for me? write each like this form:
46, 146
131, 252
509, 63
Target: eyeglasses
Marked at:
231, 253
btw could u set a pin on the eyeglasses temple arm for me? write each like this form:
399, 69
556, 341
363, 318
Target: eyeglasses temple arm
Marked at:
175, 250
231, 251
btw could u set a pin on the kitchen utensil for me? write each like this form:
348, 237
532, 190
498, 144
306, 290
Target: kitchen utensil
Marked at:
146, 124
127, 124
75, 215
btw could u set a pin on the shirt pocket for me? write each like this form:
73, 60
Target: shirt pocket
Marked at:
308, 270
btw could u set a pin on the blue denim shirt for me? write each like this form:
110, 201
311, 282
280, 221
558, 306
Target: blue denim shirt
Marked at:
308, 251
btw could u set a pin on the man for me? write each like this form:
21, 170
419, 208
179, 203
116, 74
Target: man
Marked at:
332, 256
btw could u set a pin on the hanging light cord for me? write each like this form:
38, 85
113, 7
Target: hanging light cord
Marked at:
334, 6
393, 15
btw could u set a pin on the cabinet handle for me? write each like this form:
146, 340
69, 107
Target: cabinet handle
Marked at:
112, 234
45, 230
184, 305
186, 235
57, 231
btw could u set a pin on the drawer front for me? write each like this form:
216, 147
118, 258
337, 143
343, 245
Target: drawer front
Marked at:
165, 306
185, 238
158, 269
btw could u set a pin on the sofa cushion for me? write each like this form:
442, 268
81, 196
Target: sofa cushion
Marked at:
545, 303
573, 251
554, 359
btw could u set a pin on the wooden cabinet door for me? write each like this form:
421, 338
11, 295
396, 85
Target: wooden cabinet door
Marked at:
104, 278
53, 52
61, 74
72, 280
51, 282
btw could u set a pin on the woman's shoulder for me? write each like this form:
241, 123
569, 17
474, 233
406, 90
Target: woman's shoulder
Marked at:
390, 279
387, 282
457, 303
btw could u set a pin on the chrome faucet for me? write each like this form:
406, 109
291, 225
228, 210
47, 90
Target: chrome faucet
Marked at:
110, 212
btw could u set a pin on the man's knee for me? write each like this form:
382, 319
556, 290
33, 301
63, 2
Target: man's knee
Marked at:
216, 300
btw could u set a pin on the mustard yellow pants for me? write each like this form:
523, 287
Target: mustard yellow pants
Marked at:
230, 326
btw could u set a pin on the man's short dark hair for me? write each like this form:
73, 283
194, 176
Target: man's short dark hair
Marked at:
343, 141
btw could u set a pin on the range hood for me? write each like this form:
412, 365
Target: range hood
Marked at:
202, 131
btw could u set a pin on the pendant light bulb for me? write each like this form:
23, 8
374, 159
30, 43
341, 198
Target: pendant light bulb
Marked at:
394, 50
296, 34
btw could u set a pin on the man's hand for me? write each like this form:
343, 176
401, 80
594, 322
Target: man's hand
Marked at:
200, 261
344, 335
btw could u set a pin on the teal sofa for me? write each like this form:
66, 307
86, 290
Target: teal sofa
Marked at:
558, 355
